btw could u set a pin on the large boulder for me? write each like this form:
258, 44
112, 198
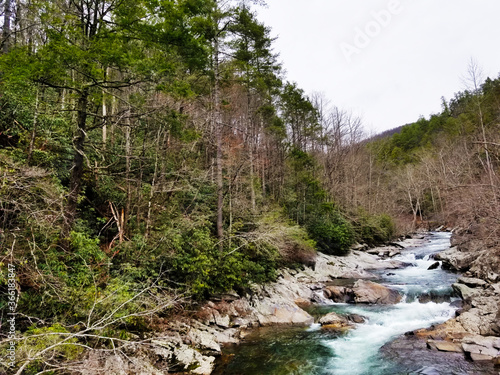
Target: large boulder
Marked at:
333, 318
473, 282
455, 259
339, 294
481, 315
204, 341
464, 291
335, 322
373, 293
481, 348
444, 346
281, 314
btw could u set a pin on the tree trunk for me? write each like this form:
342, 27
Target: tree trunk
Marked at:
6, 26
218, 135
252, 166
128, 154
35, 128
75, 183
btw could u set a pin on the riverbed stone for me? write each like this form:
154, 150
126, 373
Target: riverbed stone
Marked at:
223, 321
282, 315
477, 357
493, 277
444, 346
481, 315
481, 346
302, 302
339, 294
192, 360
333, 318
373, 293
464, 291
203, 340
455, 259
472, 282
355, 318
434, 266
496, 362
450, 330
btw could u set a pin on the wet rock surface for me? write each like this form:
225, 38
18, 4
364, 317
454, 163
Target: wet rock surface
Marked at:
405, 349
334, 320
373, 293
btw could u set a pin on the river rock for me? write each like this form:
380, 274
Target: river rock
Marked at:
373, 293
282, 315
481, 315
464, 291
451, 330
481, 347
192, 360
454, 259
302, 302
434, 266
339, 294
333, 318
476, 357
103, 362
223, 321
444, 346
359, 246
493, 277
496, 361
355, 318
203, 340
472, 282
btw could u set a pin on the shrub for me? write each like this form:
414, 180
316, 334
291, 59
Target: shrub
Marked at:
332, 232
374, 229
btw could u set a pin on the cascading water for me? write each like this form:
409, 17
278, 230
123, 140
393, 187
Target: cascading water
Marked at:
314, 351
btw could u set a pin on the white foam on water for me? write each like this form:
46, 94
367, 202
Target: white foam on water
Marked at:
314, 327
355, 352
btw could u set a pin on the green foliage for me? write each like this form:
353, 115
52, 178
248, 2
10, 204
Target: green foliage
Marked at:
374, 229
458, 118
197, 261
332, 232
36, 339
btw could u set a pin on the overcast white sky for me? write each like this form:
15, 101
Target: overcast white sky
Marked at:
397, 72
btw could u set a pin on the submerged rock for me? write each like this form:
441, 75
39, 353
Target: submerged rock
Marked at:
333, 318
355, 318
434, 266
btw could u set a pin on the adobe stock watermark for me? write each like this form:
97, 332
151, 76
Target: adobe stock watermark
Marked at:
12, 294
363, 36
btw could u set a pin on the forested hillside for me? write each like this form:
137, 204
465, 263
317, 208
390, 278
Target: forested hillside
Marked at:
152, 154
448, 163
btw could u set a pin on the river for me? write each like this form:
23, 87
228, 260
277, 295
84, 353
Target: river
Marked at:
365, 349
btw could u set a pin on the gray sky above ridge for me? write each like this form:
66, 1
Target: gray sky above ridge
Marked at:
389, 61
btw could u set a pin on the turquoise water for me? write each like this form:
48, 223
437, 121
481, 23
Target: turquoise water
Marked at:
315, 351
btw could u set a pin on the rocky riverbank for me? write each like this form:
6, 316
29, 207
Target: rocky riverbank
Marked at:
475, 331
190, 343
